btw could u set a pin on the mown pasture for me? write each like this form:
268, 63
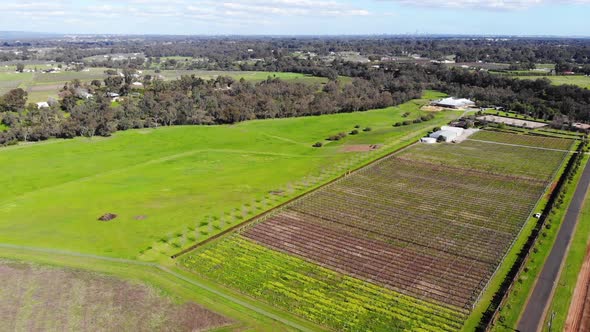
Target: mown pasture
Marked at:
430, 224
172, 187
42, 298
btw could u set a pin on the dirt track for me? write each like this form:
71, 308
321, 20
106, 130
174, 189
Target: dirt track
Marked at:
578, 318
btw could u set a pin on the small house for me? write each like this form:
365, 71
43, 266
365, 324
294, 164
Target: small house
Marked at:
42, 104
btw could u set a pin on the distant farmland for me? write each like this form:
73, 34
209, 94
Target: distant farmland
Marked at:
419, 234
581, 81
41, 86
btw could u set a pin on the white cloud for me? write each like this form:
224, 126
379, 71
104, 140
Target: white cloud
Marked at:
487, 5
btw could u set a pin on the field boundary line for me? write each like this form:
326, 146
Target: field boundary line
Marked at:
268, 213
167, 271
520, 146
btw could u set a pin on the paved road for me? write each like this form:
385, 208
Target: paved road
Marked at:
533, 315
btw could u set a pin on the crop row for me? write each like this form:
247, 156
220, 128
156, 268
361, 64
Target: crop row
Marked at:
440, 230
400, 269
506, 160
525, 140
315, 293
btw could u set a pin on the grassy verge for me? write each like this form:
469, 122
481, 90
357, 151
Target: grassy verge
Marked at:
518, 296
569, 275
179, 289
483, 306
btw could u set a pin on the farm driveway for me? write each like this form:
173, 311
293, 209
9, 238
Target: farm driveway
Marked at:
534, 312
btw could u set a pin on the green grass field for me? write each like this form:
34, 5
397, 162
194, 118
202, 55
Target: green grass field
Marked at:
581, 81
171, 187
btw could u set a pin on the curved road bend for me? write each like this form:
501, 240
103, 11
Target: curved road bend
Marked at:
533, 315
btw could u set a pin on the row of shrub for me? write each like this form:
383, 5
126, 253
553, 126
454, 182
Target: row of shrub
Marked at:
341, 135
421, 119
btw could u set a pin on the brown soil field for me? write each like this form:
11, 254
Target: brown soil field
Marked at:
578, 318
39, 298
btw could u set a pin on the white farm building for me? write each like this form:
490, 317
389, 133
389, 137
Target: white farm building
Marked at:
449, 133
428, 140
454, 103
43, 104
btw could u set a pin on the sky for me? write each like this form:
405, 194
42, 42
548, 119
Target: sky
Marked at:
298, 17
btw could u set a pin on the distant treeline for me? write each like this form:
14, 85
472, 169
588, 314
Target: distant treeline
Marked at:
192, 100
225, 52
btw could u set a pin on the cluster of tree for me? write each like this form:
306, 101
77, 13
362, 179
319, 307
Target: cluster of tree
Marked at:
188, 100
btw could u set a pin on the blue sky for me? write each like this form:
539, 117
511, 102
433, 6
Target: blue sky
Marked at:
299, 17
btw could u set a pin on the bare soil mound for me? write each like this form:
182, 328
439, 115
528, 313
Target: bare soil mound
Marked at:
360, 147
107, 217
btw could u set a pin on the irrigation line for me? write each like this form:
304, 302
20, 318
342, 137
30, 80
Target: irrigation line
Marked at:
165, 270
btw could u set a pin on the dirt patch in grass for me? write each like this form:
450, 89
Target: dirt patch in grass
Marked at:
107, 217
140, 217
39, 298
430, 108
360, 147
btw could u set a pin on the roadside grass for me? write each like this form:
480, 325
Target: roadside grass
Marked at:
176, 186
518, 296
564, 291
179, 290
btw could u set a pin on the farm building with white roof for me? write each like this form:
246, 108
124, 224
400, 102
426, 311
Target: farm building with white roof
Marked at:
43, 104
448, 132
448, 135
454, 103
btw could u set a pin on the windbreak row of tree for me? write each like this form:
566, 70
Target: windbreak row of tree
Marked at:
188, 100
